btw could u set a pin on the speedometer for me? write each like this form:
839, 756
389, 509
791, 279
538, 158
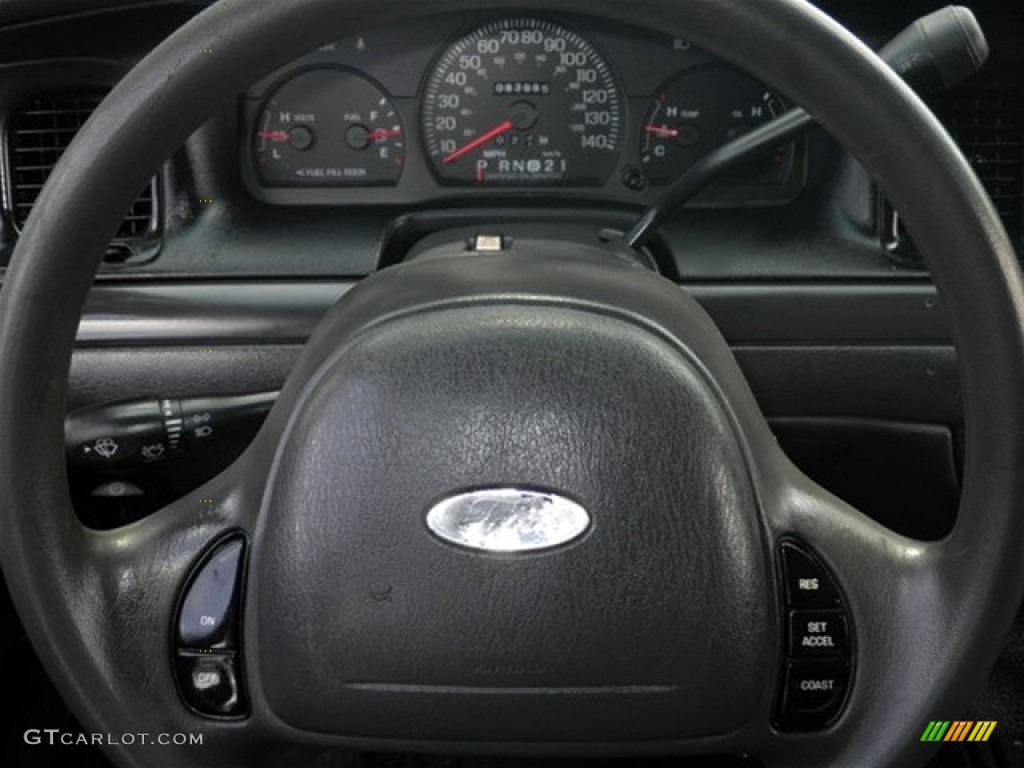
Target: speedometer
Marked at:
522, 102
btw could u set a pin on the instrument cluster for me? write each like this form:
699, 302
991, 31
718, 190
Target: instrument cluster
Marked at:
463, 105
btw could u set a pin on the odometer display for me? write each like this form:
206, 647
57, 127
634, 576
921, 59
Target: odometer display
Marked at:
522, 102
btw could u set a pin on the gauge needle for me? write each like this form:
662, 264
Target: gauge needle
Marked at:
658, 130
280, 136
479, 141
385, 133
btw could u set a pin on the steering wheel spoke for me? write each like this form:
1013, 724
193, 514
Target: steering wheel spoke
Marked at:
125, 599
859, 619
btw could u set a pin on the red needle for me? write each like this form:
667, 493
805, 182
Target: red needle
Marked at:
274, 135
662, 131
385, 133
504, 127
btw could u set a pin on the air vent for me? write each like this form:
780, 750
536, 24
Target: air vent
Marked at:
39, 134
989, 128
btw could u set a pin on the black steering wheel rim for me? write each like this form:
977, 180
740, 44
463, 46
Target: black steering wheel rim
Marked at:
47, 556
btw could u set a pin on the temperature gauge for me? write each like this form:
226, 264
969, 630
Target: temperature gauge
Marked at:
329, 127
701, 110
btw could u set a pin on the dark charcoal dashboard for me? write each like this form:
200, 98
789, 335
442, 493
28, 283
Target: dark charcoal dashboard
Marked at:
371, 143
527, 112
456, 107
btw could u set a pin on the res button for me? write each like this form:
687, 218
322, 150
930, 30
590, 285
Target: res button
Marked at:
808, 584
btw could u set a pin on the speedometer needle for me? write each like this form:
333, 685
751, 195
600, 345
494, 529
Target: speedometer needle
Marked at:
479, 141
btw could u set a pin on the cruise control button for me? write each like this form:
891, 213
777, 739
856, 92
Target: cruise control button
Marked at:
818, 633
208, 610
814, 693
210, 683
808, 584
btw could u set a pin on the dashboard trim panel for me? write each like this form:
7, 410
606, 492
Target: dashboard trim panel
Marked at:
288, 312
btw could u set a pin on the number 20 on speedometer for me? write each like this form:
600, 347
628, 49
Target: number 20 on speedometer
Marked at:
522, 102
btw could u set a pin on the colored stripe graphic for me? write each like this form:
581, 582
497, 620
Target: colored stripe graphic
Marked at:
959, 730
935, 731
982, 730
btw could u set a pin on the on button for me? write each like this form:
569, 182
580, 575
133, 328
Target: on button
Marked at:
208, 611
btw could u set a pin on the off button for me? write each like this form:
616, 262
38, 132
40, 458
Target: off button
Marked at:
814, 634
211, 683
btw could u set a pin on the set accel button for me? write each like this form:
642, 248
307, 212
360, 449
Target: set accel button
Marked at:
818, 633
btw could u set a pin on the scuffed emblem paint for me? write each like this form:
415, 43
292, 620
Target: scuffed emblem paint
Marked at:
508, 520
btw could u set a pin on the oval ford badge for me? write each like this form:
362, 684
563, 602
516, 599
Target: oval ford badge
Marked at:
508, 520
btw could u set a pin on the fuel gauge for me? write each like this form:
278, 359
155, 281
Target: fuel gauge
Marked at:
329, 127
701, 110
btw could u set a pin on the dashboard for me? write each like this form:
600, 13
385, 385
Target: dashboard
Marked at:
348, 145
456, 106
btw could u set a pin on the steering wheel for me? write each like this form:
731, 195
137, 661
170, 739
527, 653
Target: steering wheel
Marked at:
658, 625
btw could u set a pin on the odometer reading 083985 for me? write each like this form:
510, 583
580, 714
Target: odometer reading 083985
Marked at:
522, 102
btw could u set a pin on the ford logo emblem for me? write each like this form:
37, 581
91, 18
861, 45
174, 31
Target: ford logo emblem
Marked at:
508, 520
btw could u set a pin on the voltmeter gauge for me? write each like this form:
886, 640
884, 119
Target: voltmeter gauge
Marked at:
328, 127
701, 110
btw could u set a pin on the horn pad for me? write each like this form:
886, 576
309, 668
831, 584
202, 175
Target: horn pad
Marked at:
652, 625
